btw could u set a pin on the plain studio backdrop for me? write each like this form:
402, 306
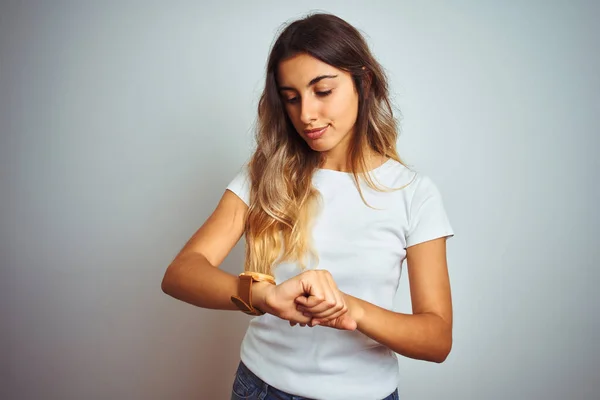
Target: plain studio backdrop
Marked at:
123, 122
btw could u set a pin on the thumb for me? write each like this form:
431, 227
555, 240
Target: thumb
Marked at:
302, 300
343, 322
347, 323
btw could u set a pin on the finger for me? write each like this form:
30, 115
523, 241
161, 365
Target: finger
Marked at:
302, 300
333, 303
328, 303
323, 311
315, 301
339, 298
297, 316
292, 323
304, 323
284, 306
300, 318
308, 301
331, 291
313, 288
328, 314
337, 309
314, 323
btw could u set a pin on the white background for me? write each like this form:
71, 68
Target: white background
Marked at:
122, 122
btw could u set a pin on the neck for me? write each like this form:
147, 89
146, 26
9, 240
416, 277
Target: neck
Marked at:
340, 161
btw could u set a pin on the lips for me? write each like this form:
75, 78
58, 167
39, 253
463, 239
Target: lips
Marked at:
315, 133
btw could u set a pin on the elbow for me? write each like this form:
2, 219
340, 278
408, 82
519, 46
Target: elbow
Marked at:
442, 351
438, 348
164, 285
443, 344
178, 273
441, 356
167, 284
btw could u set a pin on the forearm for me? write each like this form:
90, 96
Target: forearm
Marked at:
420, 336
192, 279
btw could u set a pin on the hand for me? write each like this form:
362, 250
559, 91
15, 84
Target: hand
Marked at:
316, 286
347, 321
331, 306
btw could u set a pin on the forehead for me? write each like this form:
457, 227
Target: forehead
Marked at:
300, 69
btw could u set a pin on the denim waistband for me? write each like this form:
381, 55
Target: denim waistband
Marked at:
262, 390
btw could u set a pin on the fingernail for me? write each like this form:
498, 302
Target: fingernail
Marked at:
306, 314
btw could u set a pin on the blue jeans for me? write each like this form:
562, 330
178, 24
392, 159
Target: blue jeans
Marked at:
248, 386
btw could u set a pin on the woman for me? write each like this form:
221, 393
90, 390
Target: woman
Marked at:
329, 213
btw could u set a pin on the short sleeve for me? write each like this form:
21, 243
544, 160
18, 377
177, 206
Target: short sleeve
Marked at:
240, 185
428, 218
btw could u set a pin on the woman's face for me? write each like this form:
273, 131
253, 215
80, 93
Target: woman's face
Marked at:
321, 101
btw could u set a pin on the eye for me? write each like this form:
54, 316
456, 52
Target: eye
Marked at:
325, 93
293, 100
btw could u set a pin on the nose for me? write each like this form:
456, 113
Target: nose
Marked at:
308, 111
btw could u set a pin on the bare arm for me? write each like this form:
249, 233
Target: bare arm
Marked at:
426, 334
193, 276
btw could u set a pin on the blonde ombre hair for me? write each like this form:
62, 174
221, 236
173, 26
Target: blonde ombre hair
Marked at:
283, 201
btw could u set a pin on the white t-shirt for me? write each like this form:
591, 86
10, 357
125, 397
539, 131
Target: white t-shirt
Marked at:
363, 248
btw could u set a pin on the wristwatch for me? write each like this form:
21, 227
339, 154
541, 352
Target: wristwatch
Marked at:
244, 298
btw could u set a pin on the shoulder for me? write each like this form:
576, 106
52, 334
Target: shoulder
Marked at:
398, 176
423, 187
427, 216
240, 184
411, 180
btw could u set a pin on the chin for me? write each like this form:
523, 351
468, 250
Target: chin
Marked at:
318, 145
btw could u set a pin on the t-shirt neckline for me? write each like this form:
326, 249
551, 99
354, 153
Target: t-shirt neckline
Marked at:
342, 173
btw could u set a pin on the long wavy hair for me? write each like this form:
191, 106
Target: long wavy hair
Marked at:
283, 201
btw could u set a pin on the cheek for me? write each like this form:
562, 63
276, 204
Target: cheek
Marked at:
293, 115
343, 111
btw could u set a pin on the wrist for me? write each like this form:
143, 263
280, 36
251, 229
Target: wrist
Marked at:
259, 295
355, 308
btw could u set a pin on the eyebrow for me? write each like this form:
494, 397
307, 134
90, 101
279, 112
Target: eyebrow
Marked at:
312, 82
